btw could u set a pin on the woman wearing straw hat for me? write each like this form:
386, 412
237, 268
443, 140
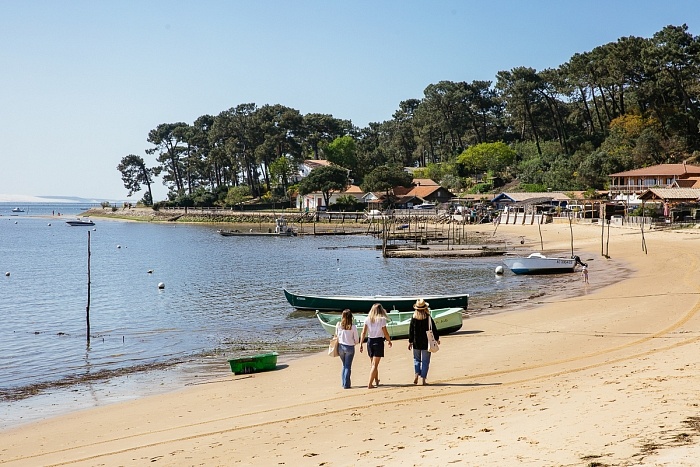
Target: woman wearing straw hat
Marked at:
418, 339
375, 329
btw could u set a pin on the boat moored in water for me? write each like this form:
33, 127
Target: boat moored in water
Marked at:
79, 222
281, 230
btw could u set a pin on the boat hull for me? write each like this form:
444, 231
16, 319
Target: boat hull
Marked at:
540, 265
235, 233
362, 304
447, 320
79, 223
254, 364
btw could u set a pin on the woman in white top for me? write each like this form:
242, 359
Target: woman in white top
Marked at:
347, 339
375, 329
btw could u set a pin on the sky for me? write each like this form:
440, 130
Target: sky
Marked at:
83, 82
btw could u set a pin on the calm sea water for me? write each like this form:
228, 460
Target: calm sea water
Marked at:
222, 295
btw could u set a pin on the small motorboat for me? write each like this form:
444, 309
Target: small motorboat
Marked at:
79, 222
537, 263
17, 210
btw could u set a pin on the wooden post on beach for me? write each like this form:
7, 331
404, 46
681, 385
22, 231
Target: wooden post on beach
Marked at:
601, 216
571, 229
644, 242
87, 307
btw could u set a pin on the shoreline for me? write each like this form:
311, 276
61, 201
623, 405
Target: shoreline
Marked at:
606, 376
97, 391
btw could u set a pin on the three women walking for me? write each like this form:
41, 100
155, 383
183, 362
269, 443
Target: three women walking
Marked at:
421, 322
375, 330
347, 339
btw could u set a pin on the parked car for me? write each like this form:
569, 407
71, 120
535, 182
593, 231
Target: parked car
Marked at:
424, 206
374, 214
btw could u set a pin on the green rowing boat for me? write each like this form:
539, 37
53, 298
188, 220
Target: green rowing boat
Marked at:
363, 303
447, 320
253, 364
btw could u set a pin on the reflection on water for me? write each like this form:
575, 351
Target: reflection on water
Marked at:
222, 296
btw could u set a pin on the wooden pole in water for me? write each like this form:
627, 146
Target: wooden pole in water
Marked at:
87, 307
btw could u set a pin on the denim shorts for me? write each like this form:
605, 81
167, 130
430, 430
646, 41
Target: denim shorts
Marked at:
375, 347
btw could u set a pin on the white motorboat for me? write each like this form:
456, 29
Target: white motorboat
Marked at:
79, 222
537, 263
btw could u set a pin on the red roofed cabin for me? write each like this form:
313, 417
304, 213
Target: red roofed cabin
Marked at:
627, 186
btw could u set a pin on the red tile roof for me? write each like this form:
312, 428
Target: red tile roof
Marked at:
662, 170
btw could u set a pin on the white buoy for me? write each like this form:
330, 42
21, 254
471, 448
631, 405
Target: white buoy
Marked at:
119, 246
161, 285
49, 224
15, 222
499, 270
7, 274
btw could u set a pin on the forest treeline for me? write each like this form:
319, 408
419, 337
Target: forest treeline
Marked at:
626, 104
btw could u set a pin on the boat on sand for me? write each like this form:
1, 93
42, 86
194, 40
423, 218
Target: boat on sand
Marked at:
362, 303
447, 320
254, 363
537, 263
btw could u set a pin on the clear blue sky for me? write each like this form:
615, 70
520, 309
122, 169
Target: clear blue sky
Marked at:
83, 82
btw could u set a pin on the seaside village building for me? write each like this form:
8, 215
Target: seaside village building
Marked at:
423, 191
673, 188
628, 186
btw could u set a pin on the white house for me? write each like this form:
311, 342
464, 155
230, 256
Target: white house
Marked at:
314, 201
308, 165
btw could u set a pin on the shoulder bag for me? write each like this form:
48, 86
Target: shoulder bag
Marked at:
432, 343
333, 345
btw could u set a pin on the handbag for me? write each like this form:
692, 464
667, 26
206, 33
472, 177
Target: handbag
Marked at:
432, 343
333, 347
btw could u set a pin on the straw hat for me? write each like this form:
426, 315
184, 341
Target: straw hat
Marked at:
421, 305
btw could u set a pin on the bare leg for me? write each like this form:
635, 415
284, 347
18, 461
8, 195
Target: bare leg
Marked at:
374, 372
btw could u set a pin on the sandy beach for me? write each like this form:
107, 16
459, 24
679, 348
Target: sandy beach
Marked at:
605, 376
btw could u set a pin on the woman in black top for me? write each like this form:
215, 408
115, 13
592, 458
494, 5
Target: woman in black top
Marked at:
418, 339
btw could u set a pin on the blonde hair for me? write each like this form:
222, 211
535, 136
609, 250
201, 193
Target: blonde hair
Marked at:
422, 309
377, 311
346, 319
421, 313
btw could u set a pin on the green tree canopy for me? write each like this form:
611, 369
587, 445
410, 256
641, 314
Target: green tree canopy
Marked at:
495, 157
324, 180
342, 152
135, 174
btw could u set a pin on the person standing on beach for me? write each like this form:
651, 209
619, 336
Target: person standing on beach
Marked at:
418, 339
375, 330
584, 274
347, 339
